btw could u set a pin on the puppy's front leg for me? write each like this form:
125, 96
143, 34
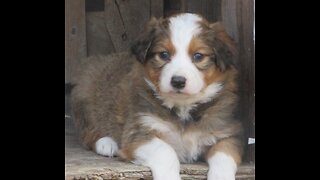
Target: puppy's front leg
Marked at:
223, 159
160, 157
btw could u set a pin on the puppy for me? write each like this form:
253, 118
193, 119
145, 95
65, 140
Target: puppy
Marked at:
170, 100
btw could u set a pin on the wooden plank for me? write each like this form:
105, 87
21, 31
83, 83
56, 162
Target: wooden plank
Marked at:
98, 38
194, 6
134, 13
247, 74
156, 8
210, 9
183, 7
125, 19
94, 5
229, 18
237, 16
213, 10
171, 7
115, 26
75, 36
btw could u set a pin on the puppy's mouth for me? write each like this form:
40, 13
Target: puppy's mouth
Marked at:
178, 93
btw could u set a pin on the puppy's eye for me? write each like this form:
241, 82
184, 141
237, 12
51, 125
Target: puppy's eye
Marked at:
197, 57
164, 55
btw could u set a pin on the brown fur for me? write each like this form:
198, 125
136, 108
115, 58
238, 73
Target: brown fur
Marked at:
111, 95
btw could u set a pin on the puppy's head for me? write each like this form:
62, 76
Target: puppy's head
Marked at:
184, 54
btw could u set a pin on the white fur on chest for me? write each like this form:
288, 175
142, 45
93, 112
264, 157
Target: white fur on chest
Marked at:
185, 104
189, 145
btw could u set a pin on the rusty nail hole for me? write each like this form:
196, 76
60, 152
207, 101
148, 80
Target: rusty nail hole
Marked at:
124, 36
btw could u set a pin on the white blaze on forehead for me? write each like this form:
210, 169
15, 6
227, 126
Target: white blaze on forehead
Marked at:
182, 29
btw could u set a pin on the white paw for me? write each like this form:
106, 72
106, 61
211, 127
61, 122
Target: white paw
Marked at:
106, 146
221, 167
161, 158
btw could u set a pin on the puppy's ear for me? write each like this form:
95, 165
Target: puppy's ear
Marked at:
142, 44
224, 47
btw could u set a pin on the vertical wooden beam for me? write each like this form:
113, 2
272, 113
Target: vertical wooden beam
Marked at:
125, 19
183, 6
214, 10
134, 13
156, 8
194, 6
75, 36
115, 26
229, 18
98, 38
247, 73
210, 9
238, 18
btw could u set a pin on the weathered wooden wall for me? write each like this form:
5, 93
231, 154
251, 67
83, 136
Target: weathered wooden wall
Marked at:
103, 27
110, 26
75, 36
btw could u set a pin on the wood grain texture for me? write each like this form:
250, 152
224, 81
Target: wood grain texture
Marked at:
210, 9
237, 17
134, 13
124, 19
98, 39
75, 36
247, 67
115, 26
229, 17
156, 8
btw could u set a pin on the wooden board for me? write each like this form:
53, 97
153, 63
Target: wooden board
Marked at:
247, 67
238, 18
156, 8
125, 19
98, 39
115, 26
210, 9
134, 13
75, 36
230, 17
171, 7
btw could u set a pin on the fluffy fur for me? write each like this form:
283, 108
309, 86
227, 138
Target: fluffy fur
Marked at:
128, 101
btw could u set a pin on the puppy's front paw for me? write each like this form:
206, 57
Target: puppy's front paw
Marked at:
106, 146
222, 167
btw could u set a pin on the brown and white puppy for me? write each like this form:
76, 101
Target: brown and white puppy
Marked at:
169, 101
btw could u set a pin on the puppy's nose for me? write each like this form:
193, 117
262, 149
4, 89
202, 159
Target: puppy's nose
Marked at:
178, 82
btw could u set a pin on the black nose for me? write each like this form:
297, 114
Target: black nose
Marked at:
178, 82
